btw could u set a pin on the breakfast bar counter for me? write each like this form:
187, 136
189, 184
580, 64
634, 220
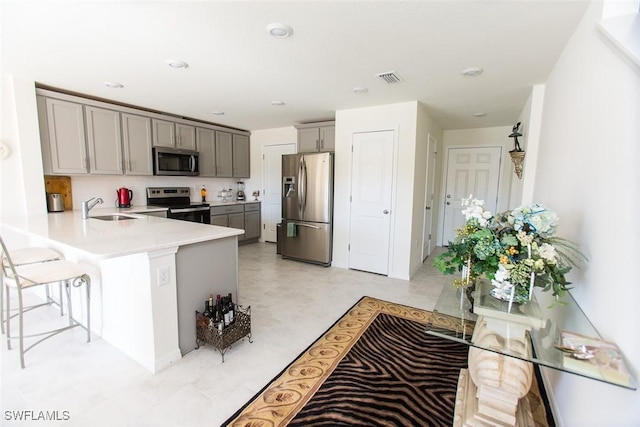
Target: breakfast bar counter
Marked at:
148, 275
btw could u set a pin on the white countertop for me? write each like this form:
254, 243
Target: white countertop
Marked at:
108, 239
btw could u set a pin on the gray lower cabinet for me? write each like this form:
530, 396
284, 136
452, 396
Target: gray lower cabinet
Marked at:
243, 216
252, 221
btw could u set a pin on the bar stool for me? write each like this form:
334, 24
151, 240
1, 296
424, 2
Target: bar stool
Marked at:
24, 256
42, 274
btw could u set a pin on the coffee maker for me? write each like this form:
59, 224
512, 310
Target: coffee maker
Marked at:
240, 193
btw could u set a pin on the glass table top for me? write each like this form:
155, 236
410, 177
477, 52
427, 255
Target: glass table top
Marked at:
559, 337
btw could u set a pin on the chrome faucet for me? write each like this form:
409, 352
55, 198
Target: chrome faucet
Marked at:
88, 205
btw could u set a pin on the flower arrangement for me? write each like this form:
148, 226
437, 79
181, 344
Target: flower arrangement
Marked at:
516, 250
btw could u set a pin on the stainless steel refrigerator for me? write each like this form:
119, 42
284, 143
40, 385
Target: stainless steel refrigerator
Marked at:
307, 207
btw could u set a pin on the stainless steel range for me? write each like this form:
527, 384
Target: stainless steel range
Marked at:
178, 200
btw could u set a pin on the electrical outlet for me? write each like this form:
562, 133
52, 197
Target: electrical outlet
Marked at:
163, 276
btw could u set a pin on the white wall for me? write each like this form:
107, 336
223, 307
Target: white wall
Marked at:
588, 173
21, 175
531, 119
425, 126
400, 118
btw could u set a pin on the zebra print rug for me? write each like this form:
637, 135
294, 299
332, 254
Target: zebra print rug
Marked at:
374, 367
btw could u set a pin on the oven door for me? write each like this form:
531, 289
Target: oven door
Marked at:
201, 215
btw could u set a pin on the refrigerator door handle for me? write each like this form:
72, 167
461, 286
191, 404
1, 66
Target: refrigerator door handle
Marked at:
302, 224
304, 183
299, 189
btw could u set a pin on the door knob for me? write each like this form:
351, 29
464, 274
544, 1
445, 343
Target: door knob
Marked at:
428, 208
385, 212
448, 203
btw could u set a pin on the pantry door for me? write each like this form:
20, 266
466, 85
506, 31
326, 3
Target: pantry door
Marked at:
470, 171
272, 191
371, 187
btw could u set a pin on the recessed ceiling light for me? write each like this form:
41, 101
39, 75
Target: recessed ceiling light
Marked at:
279, 31
113, 85
218, 113
472, 72
174, 63
479, 114
277, 103
360, 89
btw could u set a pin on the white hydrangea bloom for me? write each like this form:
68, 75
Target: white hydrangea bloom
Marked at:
548, 252
502, 274
475, 210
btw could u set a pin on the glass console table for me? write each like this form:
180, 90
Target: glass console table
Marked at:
559, 337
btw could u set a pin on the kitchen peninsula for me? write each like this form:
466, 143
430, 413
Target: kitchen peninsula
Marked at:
148, 274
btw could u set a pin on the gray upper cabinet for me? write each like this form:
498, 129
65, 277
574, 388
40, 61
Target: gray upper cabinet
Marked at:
137, 143
241, 162
164, 133
172, 134
185, 136
206, 145
104, 141
63, 136
315, 137
82, 136
224, 154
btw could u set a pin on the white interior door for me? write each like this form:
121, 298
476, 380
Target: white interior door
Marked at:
272, 191
470, 171
429, 190
371, 186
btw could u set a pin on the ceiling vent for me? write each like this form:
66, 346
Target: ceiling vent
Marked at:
390, 77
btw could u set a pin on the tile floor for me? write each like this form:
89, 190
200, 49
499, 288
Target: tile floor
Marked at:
292, 303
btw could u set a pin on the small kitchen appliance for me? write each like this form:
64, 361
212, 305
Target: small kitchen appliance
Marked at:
240, 193
55, 202
125, 196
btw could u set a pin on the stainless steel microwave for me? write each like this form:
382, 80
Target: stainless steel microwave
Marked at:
174, 161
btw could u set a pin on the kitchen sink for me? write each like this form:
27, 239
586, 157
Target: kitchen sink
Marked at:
113, 217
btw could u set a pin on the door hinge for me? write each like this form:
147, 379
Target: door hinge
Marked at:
263, 157
349, 247
350, 199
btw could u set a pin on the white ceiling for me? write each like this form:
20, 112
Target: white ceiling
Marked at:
236, 67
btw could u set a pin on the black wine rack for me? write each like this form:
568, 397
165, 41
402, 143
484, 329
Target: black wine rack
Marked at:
208, 333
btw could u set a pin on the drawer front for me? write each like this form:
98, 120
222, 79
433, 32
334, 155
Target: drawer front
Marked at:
221, 210
251, 207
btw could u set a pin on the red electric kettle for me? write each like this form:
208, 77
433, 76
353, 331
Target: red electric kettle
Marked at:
125, 196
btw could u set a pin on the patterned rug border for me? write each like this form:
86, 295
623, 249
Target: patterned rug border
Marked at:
283, 397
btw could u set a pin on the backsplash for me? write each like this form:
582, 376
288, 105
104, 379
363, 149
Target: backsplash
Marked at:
86, 187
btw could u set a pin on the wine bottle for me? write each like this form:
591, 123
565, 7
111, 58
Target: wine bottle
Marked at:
208, 307
232, 311
225, 312
219, 313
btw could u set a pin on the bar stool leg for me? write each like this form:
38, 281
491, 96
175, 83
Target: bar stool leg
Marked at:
69, 309
87, 281
20, 328
2, 302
